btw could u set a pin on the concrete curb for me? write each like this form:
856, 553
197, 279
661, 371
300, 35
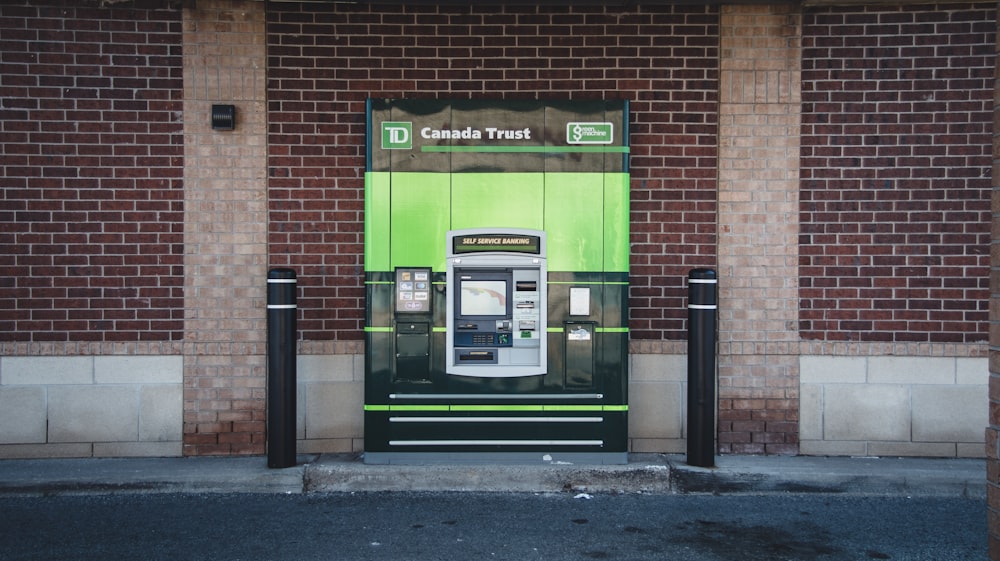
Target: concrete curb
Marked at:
654, 473
834, 475
333, 474
148, 475
645, 473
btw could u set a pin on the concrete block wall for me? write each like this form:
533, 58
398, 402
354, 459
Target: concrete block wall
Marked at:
329, 403
893, 405
657, 403
131, 405
79, 406
934, 406
331, 395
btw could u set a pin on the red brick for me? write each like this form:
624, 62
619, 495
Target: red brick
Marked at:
891, 146
70, 112
614, 48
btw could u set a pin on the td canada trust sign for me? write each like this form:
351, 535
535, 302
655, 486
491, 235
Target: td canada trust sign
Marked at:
497, 136
399, 135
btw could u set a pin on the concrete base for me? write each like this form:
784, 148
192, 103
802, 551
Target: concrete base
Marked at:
337, 473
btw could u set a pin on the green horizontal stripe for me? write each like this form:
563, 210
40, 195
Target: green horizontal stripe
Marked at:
574, 407
390, 329
614, 283
547, 329
529, 149
467, 408
497, 408
419, 408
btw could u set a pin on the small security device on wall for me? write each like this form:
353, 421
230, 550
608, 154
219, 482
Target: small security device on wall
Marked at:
223, 117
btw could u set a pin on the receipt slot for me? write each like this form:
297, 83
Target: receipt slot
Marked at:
497, 305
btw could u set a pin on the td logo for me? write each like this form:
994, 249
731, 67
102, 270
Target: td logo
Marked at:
397, 135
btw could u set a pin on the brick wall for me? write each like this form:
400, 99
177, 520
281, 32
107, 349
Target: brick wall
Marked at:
992, 447
225, 234
123, 231
326, 59
758, 222
897, 118
91, 160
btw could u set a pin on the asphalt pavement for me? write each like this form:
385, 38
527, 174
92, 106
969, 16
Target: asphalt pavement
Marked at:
644, 473
477, 526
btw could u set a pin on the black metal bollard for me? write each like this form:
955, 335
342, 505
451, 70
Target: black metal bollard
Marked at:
702, 307
281, 338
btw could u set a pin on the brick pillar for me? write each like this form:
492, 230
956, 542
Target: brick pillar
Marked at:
993, 431
758, 229
225, 229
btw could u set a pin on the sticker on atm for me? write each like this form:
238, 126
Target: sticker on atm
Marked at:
413, 290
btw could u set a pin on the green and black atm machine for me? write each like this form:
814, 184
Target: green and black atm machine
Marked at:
496, 274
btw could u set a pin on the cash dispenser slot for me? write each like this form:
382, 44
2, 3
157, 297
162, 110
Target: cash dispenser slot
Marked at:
478, 356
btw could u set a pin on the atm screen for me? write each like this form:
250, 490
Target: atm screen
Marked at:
480, 297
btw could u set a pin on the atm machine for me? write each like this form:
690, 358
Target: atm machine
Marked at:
494, 318
496, 329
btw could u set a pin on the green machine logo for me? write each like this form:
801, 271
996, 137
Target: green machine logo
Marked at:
397, 135
590, 133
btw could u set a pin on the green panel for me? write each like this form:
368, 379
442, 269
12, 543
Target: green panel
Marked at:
614, 307
497, 200
377, 221
616, 222
379, 361
420, 217
381, 297
574, 221
501, 157
426, 181
413, 115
